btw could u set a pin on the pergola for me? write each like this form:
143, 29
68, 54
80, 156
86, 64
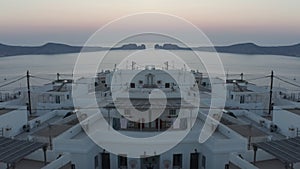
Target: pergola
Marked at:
13, 151
287, 150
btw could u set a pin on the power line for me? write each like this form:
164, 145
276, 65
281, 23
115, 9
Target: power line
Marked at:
294, 79
263, 77
9, 83
293, 84
13, 78
42, 78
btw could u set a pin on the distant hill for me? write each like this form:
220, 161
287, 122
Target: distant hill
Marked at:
244, 48
56, 48
169, 46
130, 46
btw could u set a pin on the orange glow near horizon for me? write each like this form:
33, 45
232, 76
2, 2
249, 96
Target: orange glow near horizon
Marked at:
213, 16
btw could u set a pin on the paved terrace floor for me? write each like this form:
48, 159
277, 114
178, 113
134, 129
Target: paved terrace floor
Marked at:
4, 111
29, 164
53, 130
275, 136
270, 164
247, 130
295, 111
267, 164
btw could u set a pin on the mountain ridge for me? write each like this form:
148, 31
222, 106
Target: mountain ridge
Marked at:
52, 48
241, 48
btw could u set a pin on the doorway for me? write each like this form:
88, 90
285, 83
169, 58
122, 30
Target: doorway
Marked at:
150, 162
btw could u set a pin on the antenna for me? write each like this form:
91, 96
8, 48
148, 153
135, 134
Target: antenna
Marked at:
167, 65
227, 73
132, 65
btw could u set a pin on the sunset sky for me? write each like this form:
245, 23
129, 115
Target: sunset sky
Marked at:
265, 22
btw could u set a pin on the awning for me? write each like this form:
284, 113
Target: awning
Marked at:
12, 151
287, 150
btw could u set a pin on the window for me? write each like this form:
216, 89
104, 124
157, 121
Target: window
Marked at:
68, 97
242, 99
96, 162
103, 81
140, 82
172, 112
122, 161
167, 85
231, 96
57, 99
177, 160
132, 85
159, 82
203, 163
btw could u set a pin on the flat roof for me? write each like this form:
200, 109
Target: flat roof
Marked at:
265, 164
270, 164
5, 110
295, 111
287, 150
12, 150
67, 166
145, 104
53, 131
247, 130
29, 164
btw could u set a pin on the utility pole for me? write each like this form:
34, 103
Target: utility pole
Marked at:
28, 90
271, 93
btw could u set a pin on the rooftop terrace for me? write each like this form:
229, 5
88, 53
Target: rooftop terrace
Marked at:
52, 130
29, 164
5, 110
295, 111
247, 130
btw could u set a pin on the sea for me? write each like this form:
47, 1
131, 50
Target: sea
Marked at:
46, 67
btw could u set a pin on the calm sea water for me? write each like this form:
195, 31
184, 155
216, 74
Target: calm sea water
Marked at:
49, 65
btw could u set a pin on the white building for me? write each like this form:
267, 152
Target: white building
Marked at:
13, 120
67, 133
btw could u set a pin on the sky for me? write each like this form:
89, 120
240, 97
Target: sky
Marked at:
264, 22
